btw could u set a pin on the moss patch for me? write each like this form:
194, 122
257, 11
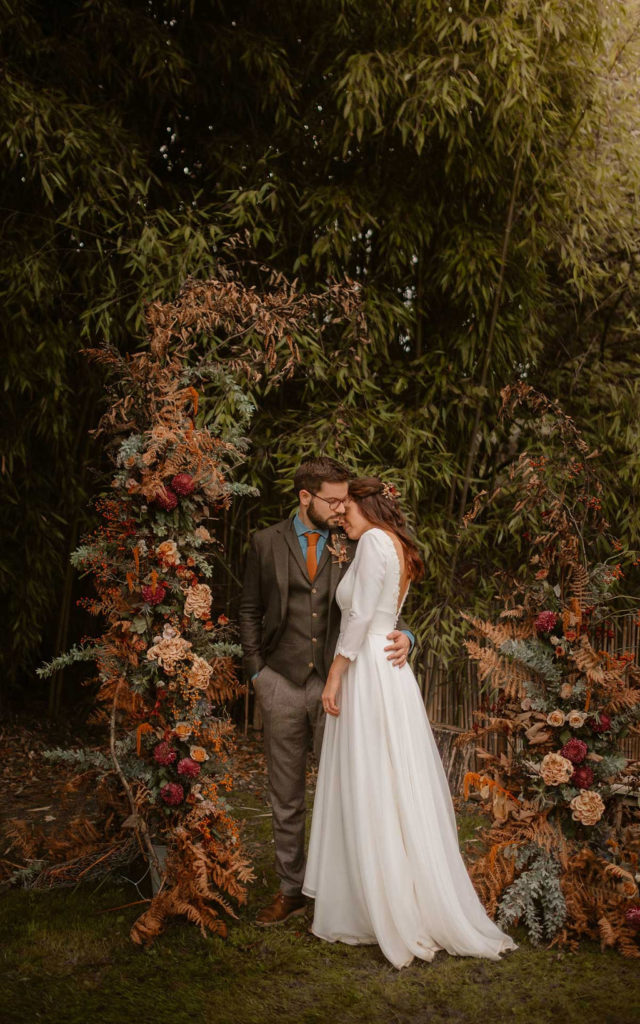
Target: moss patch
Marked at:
66, 959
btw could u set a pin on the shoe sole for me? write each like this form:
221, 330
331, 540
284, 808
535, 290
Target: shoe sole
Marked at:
294, 913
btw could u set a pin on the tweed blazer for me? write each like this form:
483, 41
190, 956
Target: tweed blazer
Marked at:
264, 602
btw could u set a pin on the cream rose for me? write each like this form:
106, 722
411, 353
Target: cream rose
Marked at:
198, 601
576, 719
587, 807
566, 690
555, 718
555, 769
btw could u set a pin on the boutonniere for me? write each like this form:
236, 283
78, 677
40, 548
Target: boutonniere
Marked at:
339, 548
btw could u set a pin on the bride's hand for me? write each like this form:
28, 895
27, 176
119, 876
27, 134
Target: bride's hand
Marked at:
330, 696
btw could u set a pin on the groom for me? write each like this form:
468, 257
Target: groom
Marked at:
289, 624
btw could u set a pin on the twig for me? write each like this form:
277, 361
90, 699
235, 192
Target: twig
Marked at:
140, 825
124, 906
96, 862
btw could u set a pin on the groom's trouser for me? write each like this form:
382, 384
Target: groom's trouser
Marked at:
293, 723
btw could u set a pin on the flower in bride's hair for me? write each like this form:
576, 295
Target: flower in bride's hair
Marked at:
390, 491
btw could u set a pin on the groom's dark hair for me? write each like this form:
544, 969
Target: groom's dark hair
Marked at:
312, 473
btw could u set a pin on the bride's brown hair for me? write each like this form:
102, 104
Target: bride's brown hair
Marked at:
384, 511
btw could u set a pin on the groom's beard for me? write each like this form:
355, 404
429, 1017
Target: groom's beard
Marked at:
332, 522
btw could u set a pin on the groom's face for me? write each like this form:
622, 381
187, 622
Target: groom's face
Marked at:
326, 507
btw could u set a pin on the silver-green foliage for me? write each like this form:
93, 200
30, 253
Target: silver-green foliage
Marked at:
535, 898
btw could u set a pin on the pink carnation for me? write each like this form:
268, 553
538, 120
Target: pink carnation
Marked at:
183, 484
599, 726
154, 595
172, 794
575, 751
187, 766
545, 622
166, 499
164, 754
582, 777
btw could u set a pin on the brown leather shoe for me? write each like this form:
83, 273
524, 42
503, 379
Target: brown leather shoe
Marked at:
282, 907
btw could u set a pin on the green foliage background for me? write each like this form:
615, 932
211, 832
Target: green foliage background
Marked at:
473, 164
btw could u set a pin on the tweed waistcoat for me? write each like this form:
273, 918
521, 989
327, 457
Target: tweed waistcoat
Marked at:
301, 646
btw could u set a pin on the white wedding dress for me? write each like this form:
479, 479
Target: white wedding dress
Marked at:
384, 864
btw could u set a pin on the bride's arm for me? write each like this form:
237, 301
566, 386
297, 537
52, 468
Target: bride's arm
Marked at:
368, 568
332, 685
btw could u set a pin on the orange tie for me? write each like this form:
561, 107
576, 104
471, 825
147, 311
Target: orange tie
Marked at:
312, 555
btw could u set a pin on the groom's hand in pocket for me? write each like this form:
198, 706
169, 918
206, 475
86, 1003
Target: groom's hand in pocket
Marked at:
398, 648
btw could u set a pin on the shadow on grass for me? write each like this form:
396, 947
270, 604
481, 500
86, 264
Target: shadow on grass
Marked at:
66, 959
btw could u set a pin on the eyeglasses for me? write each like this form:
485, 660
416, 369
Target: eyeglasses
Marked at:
333, 503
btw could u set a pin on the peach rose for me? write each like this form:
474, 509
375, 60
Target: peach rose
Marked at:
566, 690
555, 718
168, 553
183, 730
587, 807
201, 533
199, 673
576, 719
198, 754
168, 652
198, 601
555, 769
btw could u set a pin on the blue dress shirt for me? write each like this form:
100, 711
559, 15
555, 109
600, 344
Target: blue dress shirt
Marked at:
302, 531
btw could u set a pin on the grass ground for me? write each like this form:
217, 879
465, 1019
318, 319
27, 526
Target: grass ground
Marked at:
66, 959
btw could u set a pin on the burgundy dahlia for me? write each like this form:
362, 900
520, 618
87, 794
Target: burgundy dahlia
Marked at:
545, 622
154, 595
164, 754
575, 751
582, 777
632, 916
172, 794
603, 725
166, 499
183, 484
187, 766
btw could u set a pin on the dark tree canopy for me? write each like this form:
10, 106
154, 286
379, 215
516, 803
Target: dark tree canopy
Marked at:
473, 165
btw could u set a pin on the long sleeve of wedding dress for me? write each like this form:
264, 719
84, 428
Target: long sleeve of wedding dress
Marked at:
368, 573
384, 864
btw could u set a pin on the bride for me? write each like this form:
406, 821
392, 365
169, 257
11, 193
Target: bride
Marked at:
384, 865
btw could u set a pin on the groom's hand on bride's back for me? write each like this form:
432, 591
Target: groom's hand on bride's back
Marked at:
398, 648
